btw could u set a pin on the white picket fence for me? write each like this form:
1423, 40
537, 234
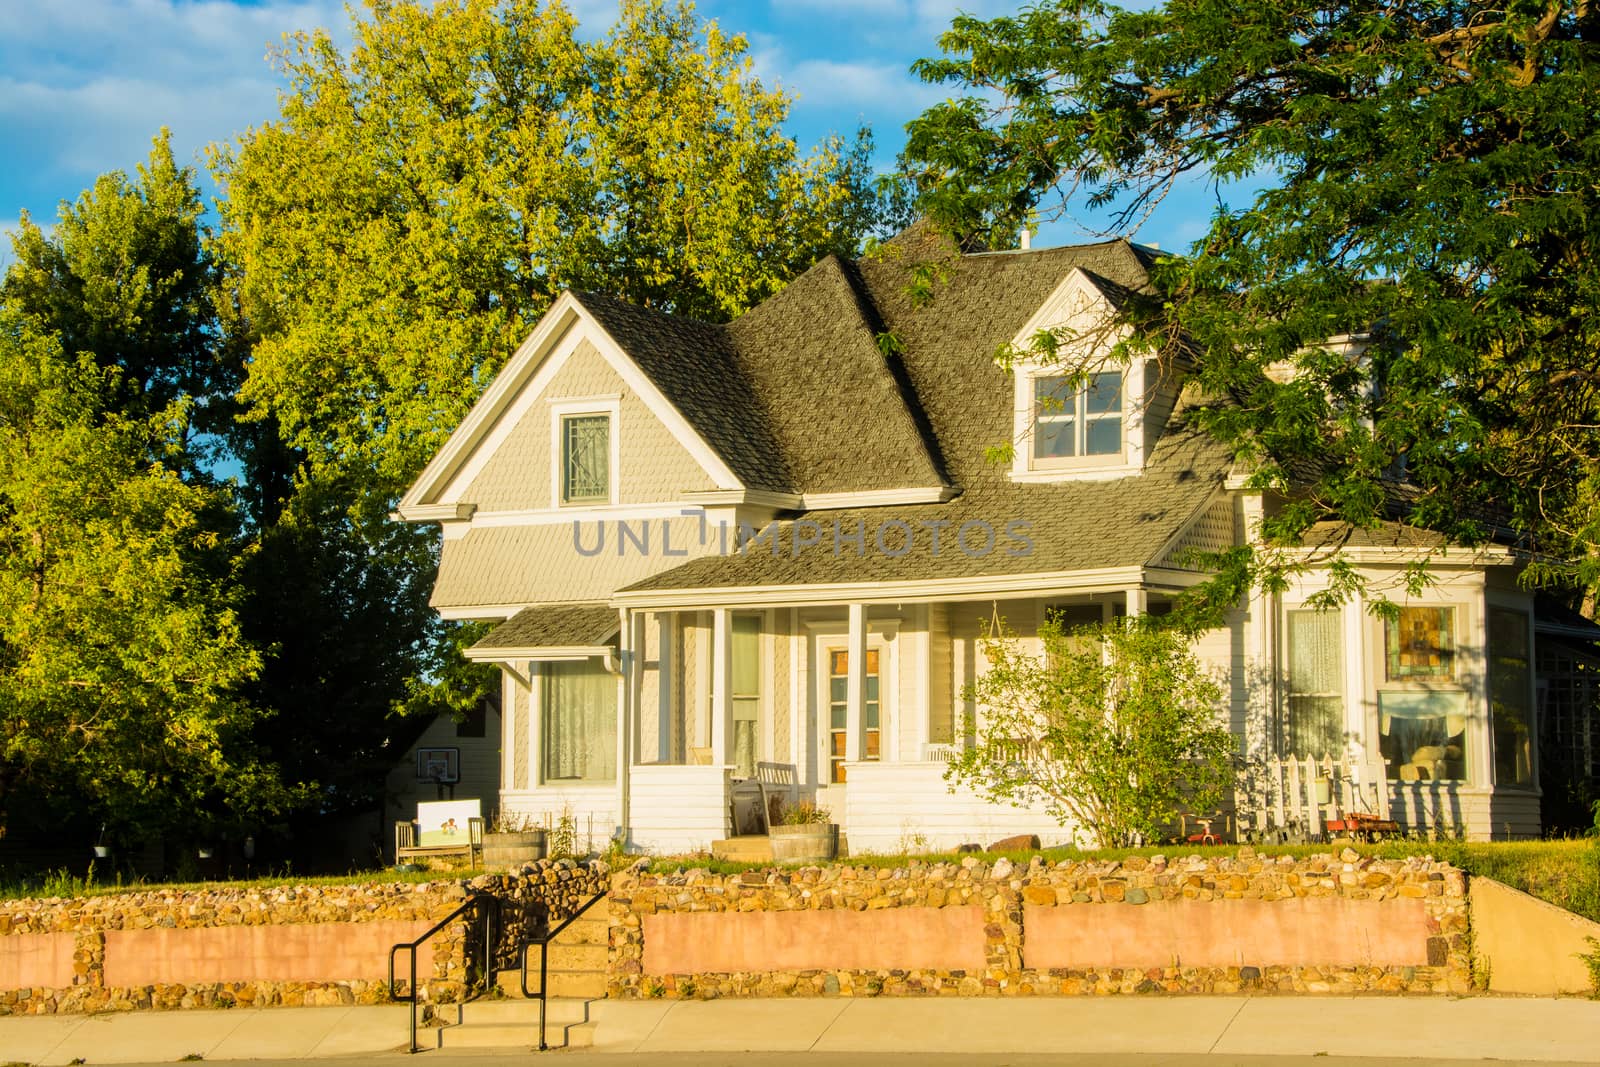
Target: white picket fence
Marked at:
1294, 798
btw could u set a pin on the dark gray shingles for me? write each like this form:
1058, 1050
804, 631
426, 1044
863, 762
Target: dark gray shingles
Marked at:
1069, 527
553, 626
829, 395
697, 370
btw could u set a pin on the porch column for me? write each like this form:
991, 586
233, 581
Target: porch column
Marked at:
666, 667
1138, 602
721, 684
856, 686
630, 634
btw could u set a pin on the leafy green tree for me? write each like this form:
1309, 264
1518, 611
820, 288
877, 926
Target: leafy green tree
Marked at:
421, 201
1115, 730
121, 658
392, 236
124, 275
1430, 190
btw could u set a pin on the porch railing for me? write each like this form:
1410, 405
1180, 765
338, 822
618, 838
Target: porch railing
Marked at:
1295, 797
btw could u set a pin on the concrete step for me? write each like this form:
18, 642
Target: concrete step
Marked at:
586, 931
573, 957
574, 983
515, 1024
498, 1011
747, 848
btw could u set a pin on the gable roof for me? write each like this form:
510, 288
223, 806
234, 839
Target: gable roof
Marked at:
697, 370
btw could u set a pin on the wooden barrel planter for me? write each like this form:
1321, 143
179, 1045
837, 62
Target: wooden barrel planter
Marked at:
512, 849
807, 843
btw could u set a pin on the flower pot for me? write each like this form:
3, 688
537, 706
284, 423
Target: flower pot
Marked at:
807, 843
102, 852
504, 850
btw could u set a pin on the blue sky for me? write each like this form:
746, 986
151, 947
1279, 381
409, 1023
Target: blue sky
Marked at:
85, 84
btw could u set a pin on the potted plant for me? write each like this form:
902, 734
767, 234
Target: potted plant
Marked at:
805, 834
512, 839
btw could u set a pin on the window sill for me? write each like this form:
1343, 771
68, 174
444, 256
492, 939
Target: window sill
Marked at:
1085, 473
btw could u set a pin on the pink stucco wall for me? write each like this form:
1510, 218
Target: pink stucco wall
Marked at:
307, 952
903, 938
1302, 931
35, 960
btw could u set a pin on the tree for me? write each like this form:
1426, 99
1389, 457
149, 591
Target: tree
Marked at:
1114, 729
121, 658
422, 200
124, 275
393, 235
1431, 191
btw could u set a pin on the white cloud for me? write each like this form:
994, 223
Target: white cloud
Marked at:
85, 85
880, 87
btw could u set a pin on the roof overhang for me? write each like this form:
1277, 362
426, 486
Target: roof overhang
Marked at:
910, 591
554, 633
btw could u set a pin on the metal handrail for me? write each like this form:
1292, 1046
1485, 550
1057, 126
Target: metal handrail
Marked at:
543, 941
490, 906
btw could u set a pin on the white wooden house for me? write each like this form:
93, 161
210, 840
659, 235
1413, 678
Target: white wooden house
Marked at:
779, 540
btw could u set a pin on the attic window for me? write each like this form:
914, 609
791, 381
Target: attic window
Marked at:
585, 458
1083, 423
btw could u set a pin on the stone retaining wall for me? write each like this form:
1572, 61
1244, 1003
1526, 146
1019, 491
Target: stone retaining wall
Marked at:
539, 895
1329, 923
219, 947
262, 947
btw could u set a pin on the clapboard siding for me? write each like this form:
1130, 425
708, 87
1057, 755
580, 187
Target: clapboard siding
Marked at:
480, 769
678, 809
890, 807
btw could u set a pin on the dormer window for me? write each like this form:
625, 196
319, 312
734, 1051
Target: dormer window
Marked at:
1077, 423
1078, 426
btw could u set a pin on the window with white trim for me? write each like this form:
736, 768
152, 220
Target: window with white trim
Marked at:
585, 458
1077, 420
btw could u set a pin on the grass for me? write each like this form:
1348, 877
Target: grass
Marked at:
1565, 873
61, 883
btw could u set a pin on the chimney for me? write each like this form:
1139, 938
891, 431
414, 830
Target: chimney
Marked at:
1024, 239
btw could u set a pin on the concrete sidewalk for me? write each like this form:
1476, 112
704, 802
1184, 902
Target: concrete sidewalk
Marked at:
1382, 1028
219, 1034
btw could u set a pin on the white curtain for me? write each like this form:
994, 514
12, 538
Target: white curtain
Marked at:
1315, 712
580, 722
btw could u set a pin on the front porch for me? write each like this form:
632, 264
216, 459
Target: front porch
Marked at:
646, 734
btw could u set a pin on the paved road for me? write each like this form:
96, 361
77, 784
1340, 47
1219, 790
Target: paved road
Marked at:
587, 1058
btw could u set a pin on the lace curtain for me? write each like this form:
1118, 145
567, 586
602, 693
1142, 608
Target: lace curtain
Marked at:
580, 722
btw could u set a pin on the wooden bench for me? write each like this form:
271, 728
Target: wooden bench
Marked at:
406, 847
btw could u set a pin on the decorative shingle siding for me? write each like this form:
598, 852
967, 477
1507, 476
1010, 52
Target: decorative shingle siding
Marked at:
655, 467
512, 566
521, 777
1212, 531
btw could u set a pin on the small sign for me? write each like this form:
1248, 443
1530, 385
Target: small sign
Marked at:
444, 822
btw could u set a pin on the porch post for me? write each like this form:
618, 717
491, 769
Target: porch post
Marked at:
721, 683
627, 691
666, 666
856, 686
1137, 602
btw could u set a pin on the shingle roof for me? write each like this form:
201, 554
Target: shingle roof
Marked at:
696, 368
1069, 526
831, 397
553, 626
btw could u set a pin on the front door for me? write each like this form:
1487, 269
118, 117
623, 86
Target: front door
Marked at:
837, 659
